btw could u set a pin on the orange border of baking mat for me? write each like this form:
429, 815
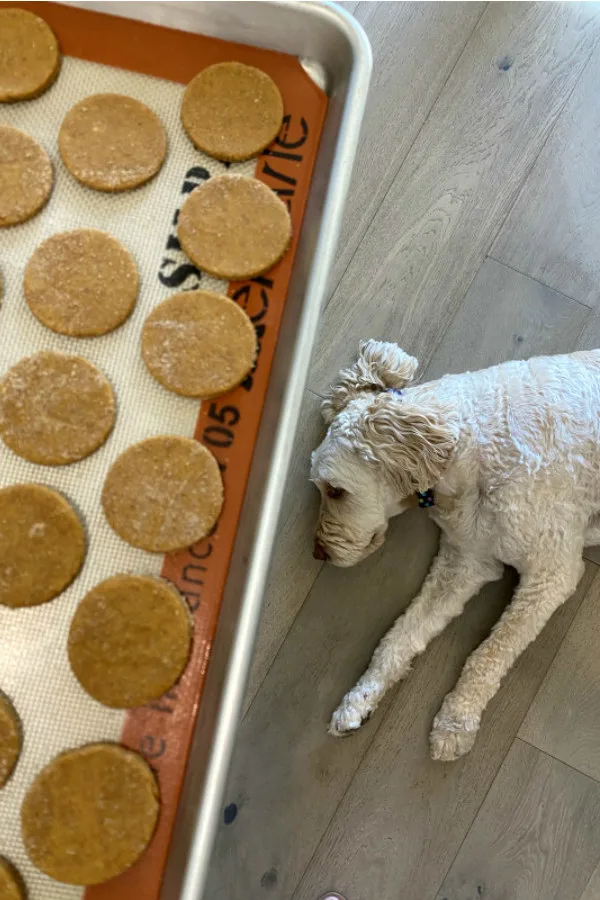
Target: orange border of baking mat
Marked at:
162, 731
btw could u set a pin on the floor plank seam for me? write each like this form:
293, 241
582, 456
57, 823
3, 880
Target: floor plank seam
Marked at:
407, 154
518, 193
557, 118
556, 759
453, 316
456, 312
589, 881
475, 814
379, 815
517, 738
540, 282
590, 564
285, 637
361, 759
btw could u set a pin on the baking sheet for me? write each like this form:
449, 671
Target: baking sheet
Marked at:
34, 672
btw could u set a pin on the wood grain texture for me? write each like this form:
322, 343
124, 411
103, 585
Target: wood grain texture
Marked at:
538, 818
373, 816
593, 555
437, 221
564, 719
505, 315
589, 339
404, 817
288, 775
293, 569
592, 889
553, 230
415, 47
349, 5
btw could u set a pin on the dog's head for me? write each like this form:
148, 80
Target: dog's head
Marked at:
379, 450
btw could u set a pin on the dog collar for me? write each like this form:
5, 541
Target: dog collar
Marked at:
425, 499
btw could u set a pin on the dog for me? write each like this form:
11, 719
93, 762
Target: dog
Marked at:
507, 462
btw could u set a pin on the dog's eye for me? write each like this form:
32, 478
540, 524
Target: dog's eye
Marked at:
335, 493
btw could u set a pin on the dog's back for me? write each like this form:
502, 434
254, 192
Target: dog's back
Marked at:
539, 416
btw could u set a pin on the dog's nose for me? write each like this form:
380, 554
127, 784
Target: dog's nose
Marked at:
320, 552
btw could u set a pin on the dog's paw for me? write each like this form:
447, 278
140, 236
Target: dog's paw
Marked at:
452, 736
349, 716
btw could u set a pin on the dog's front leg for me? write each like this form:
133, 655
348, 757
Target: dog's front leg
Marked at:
452, 580
539, 594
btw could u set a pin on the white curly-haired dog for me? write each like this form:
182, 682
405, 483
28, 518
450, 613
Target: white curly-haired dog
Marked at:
510, 459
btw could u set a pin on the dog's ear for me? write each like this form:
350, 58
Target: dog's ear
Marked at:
414, 443
380, 365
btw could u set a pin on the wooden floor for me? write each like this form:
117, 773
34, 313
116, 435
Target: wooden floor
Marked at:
472, 236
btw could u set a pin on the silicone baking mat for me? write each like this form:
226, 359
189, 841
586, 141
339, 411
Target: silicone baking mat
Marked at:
106, 54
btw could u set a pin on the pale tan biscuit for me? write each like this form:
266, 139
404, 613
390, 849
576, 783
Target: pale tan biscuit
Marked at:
25, 176
42, 544
11, 740
55, 409
81, 283
232, 111
163, 494
29, 55
90, 814
110, 142
11, 883
199, 344
234, 227
130, 640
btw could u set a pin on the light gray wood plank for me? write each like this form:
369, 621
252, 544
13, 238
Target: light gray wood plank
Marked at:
398, 798
288, 775
415, 47
553, 230
349, 5
436, 223
504, 316
593, 554
564, 719
589, 339
537, 836
404, 817
293, 570
592, 890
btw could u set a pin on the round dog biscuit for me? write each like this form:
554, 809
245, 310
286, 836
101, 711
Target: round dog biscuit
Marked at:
25, 176
130, 640
163, 494
112, 143
42, 545
199, 344
232, 111
10, 741
234, 227
55, 409
90, 814
29, 55
11, 883
81, 283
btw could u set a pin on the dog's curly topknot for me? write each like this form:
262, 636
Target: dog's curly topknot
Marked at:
380, 365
